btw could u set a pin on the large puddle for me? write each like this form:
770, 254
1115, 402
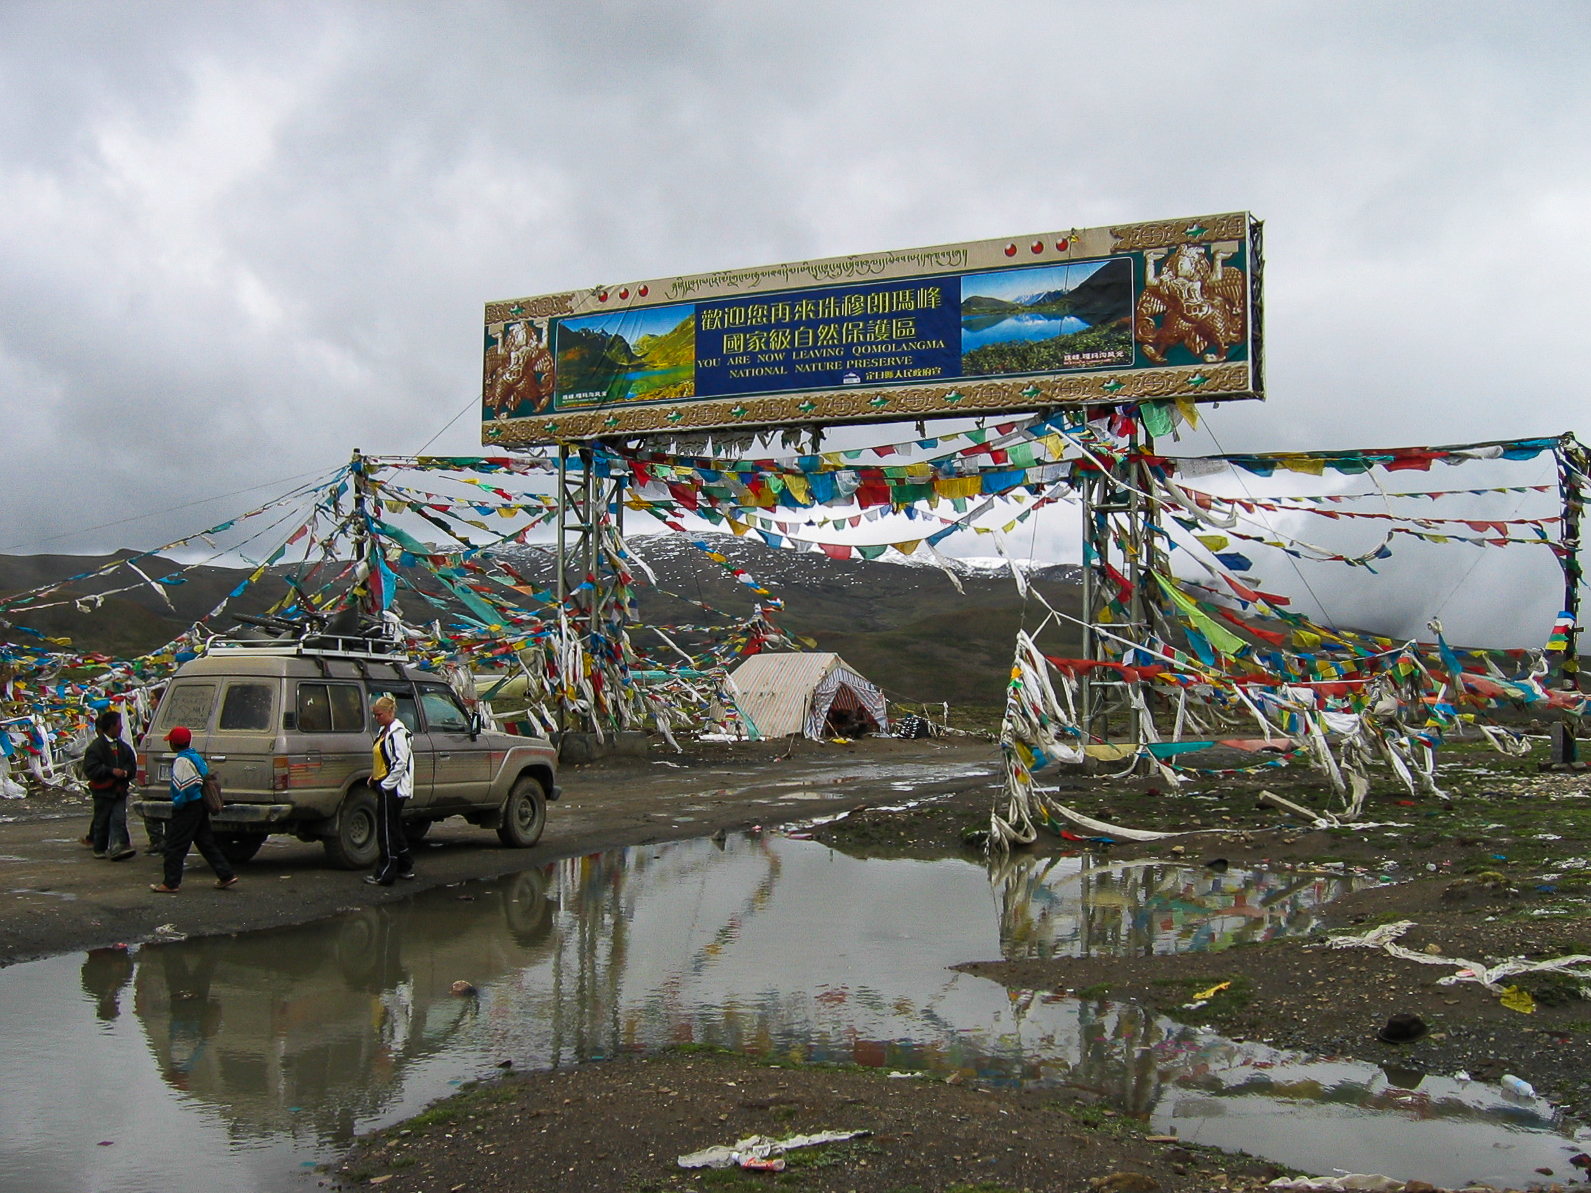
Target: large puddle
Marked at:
240, 1062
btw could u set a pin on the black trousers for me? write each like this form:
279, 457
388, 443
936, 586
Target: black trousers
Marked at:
395, 859
190, 825
109, 831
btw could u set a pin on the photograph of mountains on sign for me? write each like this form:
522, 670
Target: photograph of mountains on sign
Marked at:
1103, 315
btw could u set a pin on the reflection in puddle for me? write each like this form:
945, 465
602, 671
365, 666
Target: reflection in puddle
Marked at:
1078, 907
262, 1052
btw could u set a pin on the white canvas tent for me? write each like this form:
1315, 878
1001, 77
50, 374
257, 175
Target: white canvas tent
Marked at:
783, 694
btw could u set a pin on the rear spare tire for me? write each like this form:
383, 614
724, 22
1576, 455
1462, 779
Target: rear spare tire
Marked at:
355, 846
524, 814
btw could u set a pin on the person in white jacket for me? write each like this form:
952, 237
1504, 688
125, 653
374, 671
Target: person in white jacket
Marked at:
392, 776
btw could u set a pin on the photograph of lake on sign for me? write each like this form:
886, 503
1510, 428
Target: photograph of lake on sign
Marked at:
1076, 316
628, 356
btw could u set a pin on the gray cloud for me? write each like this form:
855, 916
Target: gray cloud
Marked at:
237, 241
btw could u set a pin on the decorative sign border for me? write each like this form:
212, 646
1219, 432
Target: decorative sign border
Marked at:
628, 360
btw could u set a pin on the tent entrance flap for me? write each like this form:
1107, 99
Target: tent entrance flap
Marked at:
844, 703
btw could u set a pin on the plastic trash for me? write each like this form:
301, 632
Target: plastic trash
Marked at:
1516, 998
1517, 1086
760, 1153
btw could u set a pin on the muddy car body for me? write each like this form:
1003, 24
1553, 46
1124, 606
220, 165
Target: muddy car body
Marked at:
289, 733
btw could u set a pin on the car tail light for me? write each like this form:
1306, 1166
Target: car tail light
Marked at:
143, 772
281, 773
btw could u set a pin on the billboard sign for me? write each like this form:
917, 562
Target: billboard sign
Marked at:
1104, 315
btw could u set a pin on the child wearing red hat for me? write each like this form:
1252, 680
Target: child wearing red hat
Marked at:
190, 819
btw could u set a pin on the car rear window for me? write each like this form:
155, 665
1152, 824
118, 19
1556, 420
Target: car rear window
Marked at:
330, 708
247, 706
187, 704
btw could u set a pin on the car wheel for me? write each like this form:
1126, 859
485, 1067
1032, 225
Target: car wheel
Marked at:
239, 847
524, 814
355, 845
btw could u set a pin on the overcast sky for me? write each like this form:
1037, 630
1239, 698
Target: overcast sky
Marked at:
237, 241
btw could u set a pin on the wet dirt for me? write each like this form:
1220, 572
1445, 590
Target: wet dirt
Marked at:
1294, 1035
582, 1129
55, 896
271, 1050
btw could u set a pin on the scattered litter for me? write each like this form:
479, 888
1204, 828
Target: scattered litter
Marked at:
463, 988
1126, 834
1519, 1000
1368, 1182
1517, 1086
905, 1074
1386, 936
1324, 820
1204, 996
761, 1152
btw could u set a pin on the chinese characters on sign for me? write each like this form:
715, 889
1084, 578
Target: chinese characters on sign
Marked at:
825, 339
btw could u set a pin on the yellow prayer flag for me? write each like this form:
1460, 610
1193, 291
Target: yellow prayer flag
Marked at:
1313, 465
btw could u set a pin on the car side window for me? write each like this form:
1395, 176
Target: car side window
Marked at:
314, 708
347, 708
406, 710
247, 707
442, 712
330, 708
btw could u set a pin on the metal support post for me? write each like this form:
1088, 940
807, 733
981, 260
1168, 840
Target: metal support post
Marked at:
586, 502
363, 592
1572, 463
1118, 510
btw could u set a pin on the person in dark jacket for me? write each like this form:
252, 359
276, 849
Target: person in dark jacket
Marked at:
109, 764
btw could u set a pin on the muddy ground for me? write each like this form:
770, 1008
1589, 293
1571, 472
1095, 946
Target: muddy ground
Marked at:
621, 1125
57, 897
1503, 872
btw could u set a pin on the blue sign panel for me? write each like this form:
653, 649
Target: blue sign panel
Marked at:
885, 334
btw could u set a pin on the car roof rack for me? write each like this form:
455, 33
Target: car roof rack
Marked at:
330, 646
